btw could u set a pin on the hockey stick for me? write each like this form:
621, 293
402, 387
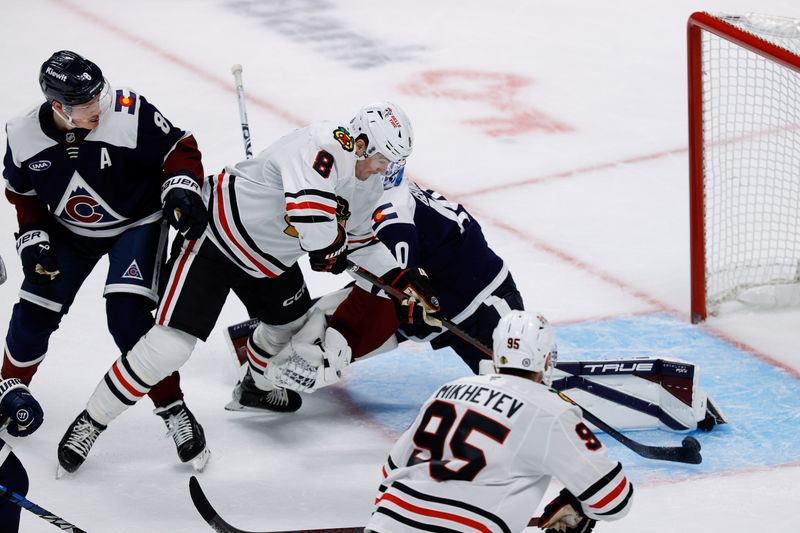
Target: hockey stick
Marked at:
236, 70
44, 514
687, 452
219, 525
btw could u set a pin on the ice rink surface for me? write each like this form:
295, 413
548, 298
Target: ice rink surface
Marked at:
561, 126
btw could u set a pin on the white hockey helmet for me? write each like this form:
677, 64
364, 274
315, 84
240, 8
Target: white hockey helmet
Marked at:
525, 341
387, 130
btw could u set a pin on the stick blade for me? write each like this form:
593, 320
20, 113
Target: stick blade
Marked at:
200, 501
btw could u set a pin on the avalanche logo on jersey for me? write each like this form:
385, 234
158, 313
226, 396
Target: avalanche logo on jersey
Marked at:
382, 214
82, 206
344, 138
133, 271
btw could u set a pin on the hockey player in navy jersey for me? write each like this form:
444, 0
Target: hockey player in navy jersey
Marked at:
425, 230
93, 172
483, 449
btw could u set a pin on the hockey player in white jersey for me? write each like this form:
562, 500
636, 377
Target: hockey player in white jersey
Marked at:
482, 451
312, 191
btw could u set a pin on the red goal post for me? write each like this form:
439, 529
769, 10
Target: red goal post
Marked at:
744, 155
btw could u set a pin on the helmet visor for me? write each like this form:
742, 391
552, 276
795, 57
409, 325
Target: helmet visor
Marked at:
96, 106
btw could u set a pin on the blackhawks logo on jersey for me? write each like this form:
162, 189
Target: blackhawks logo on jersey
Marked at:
344, 138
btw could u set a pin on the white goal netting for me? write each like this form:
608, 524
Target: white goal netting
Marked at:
751, 160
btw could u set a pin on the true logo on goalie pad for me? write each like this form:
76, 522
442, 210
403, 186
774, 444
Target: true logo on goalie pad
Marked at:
617, 368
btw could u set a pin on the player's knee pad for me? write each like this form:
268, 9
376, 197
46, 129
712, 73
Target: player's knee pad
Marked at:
159, 353
129, 318
271, 338
29, 332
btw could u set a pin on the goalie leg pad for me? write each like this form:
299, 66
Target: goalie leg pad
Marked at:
313, 359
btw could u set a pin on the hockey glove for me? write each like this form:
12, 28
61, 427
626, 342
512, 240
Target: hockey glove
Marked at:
183, 206
332, 258
23, 412
565, 514
419, 305
39, 263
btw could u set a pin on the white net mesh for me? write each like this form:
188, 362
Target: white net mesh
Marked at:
751, 157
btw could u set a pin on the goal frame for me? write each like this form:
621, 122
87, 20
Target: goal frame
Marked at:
698, 23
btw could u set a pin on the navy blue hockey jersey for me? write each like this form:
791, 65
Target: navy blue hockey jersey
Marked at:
422, 229
96, 183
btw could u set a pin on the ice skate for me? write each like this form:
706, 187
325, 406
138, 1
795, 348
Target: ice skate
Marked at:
76, 443
190, 440
248, 397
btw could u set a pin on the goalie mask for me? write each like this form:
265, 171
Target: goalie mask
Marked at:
525, 341
386, 130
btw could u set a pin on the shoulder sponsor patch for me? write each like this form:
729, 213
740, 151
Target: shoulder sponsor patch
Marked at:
38, 166
344, 138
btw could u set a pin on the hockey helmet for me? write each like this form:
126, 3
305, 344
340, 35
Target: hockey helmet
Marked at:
70, 79
525, 341
386, 129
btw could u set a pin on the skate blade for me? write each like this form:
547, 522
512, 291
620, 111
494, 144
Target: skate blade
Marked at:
61, 472
235, 406
200, 461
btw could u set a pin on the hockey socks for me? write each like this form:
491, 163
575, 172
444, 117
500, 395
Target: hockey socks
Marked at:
159, 353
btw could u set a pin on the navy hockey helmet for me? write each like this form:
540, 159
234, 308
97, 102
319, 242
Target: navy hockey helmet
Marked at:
70, 79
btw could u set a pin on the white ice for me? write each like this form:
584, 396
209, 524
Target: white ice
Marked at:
588, 207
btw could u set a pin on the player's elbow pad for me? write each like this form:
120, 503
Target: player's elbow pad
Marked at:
609, 498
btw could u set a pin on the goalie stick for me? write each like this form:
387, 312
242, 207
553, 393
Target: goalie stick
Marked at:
687, 452
42, 513
219, 525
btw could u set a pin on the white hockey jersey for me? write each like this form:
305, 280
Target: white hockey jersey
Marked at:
480, 455
268, 211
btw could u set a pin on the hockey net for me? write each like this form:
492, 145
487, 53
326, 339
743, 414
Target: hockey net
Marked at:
744, 139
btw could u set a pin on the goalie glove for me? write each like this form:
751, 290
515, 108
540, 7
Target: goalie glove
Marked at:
565, 514
307, 365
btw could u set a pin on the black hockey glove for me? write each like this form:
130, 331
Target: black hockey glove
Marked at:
20, 408
183, 206
565, 514
419, 306
332, 258
39, 263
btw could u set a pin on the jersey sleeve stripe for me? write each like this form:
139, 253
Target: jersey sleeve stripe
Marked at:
309, 219
622, 505
295, 206
311, 192
600, 484
611, 495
